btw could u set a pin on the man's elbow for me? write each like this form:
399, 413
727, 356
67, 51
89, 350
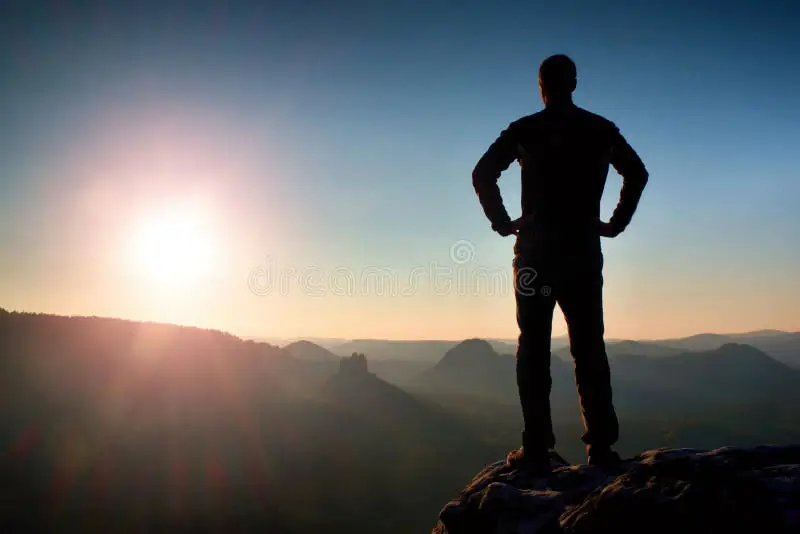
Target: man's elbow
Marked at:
479, 177
639, 178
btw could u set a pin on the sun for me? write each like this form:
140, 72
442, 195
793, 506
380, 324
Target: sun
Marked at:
176, 247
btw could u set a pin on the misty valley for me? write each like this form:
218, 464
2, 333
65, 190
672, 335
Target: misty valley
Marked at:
118, 426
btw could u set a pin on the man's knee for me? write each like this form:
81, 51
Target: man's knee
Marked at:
533, 358
589, 346
533, 376
535, 321
591, 360
534, 341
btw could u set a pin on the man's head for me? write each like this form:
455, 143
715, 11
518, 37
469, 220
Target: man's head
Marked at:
558, 78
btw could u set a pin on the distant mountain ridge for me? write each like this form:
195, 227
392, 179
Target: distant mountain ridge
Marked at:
307, 350
667, 379
474, 368
783, 346
418, 351
469, 352
730, 372
614, 348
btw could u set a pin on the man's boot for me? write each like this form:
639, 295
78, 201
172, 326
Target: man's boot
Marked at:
530, 458
603, 456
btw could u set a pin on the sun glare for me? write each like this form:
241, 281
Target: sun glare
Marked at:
176, 247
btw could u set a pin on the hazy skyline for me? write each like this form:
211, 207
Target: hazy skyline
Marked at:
156, 160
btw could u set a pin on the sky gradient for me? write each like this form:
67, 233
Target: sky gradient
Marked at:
324, 152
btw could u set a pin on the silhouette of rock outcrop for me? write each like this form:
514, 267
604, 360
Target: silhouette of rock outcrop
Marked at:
354, 365
375, 407
658, 492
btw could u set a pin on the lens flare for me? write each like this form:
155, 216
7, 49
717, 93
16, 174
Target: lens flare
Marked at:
176, 247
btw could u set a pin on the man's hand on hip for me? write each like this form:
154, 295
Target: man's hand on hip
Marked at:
608, 230
512, 227
507, 228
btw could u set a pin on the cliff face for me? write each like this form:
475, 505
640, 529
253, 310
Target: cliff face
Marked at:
658, 492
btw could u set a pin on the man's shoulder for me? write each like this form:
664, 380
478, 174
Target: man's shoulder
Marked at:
528, 119
579, 113
595, 119
528, 123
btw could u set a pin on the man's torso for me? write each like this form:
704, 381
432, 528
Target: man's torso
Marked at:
564, 156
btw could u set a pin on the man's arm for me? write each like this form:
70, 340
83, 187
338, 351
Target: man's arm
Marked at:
634, 178
497, 159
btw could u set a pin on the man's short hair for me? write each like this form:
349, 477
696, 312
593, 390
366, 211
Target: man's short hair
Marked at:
558, 74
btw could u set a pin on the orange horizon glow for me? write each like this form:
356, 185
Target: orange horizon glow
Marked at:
162, 216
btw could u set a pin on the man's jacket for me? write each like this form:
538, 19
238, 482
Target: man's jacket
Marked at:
564, 154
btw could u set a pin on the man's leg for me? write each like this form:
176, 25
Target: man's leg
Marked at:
535, 320
581, 300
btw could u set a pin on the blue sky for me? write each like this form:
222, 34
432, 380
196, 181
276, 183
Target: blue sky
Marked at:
342, 135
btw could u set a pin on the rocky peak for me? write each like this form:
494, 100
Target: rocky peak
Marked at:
469, 352
353, 365
658, 492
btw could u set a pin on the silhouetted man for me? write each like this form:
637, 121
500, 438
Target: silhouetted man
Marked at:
564, 153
